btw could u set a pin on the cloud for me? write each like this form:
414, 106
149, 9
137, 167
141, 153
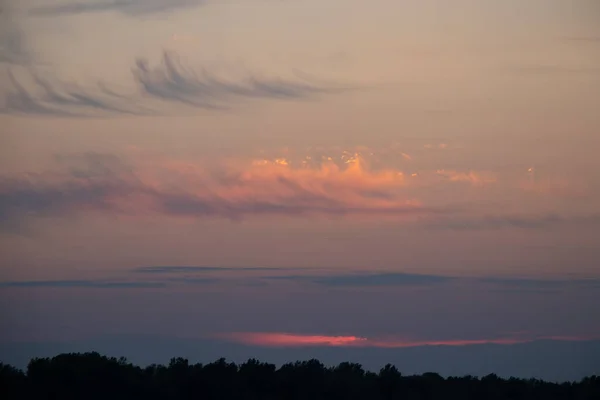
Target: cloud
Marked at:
102, 184
195, 281
389, 279
196, 269
128, 7
13, 46
279, 339
43, 97
541, 284
370, 279
171, 81
472, 177
92, 284
289, 340
490, 222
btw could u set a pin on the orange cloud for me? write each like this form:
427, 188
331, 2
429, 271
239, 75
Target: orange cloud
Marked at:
323, 188
290, 340
233, 190
277, 339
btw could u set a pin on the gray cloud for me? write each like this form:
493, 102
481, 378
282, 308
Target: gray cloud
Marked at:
374, 279
168, 82
369, 279
196, 281
128, 7
91, 180
196, 269
171, 81
62, 99
92, 284
541, 284
164, 276
13, 44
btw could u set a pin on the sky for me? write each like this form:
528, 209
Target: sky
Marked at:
363, 178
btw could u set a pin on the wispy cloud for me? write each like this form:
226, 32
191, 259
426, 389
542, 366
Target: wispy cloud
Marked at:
279, 339
171, 81
38, 93
196, 269
91, 284
369, 279
44, 97
128, 7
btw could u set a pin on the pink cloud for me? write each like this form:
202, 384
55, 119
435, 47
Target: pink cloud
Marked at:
231, 190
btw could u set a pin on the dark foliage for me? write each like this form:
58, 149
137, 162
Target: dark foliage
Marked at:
92, 376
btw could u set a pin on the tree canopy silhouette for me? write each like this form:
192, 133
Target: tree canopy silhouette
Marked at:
93, 376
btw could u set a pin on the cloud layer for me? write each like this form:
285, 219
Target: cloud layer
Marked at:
105, 184
88, 284
336, 187
369, 279
326, 278
128, 7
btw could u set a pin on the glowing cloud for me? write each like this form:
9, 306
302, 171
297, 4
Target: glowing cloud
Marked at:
278, 339
233, 190
291, 340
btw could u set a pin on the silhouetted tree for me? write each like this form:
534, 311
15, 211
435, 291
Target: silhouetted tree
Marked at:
92, 376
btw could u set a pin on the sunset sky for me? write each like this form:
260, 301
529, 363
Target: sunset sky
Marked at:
301, 173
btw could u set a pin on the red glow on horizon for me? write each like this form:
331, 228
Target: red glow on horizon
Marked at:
290, 340
279, 339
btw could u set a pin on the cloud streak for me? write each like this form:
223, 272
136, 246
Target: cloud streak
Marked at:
128, 7
286, 340
43, 97
172, 81
196, 269
89, 284
369, 279
167, 83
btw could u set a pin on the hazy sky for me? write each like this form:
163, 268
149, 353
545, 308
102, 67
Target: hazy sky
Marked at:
347, 173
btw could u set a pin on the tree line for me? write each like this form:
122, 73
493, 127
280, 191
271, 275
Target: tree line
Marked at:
93, 376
